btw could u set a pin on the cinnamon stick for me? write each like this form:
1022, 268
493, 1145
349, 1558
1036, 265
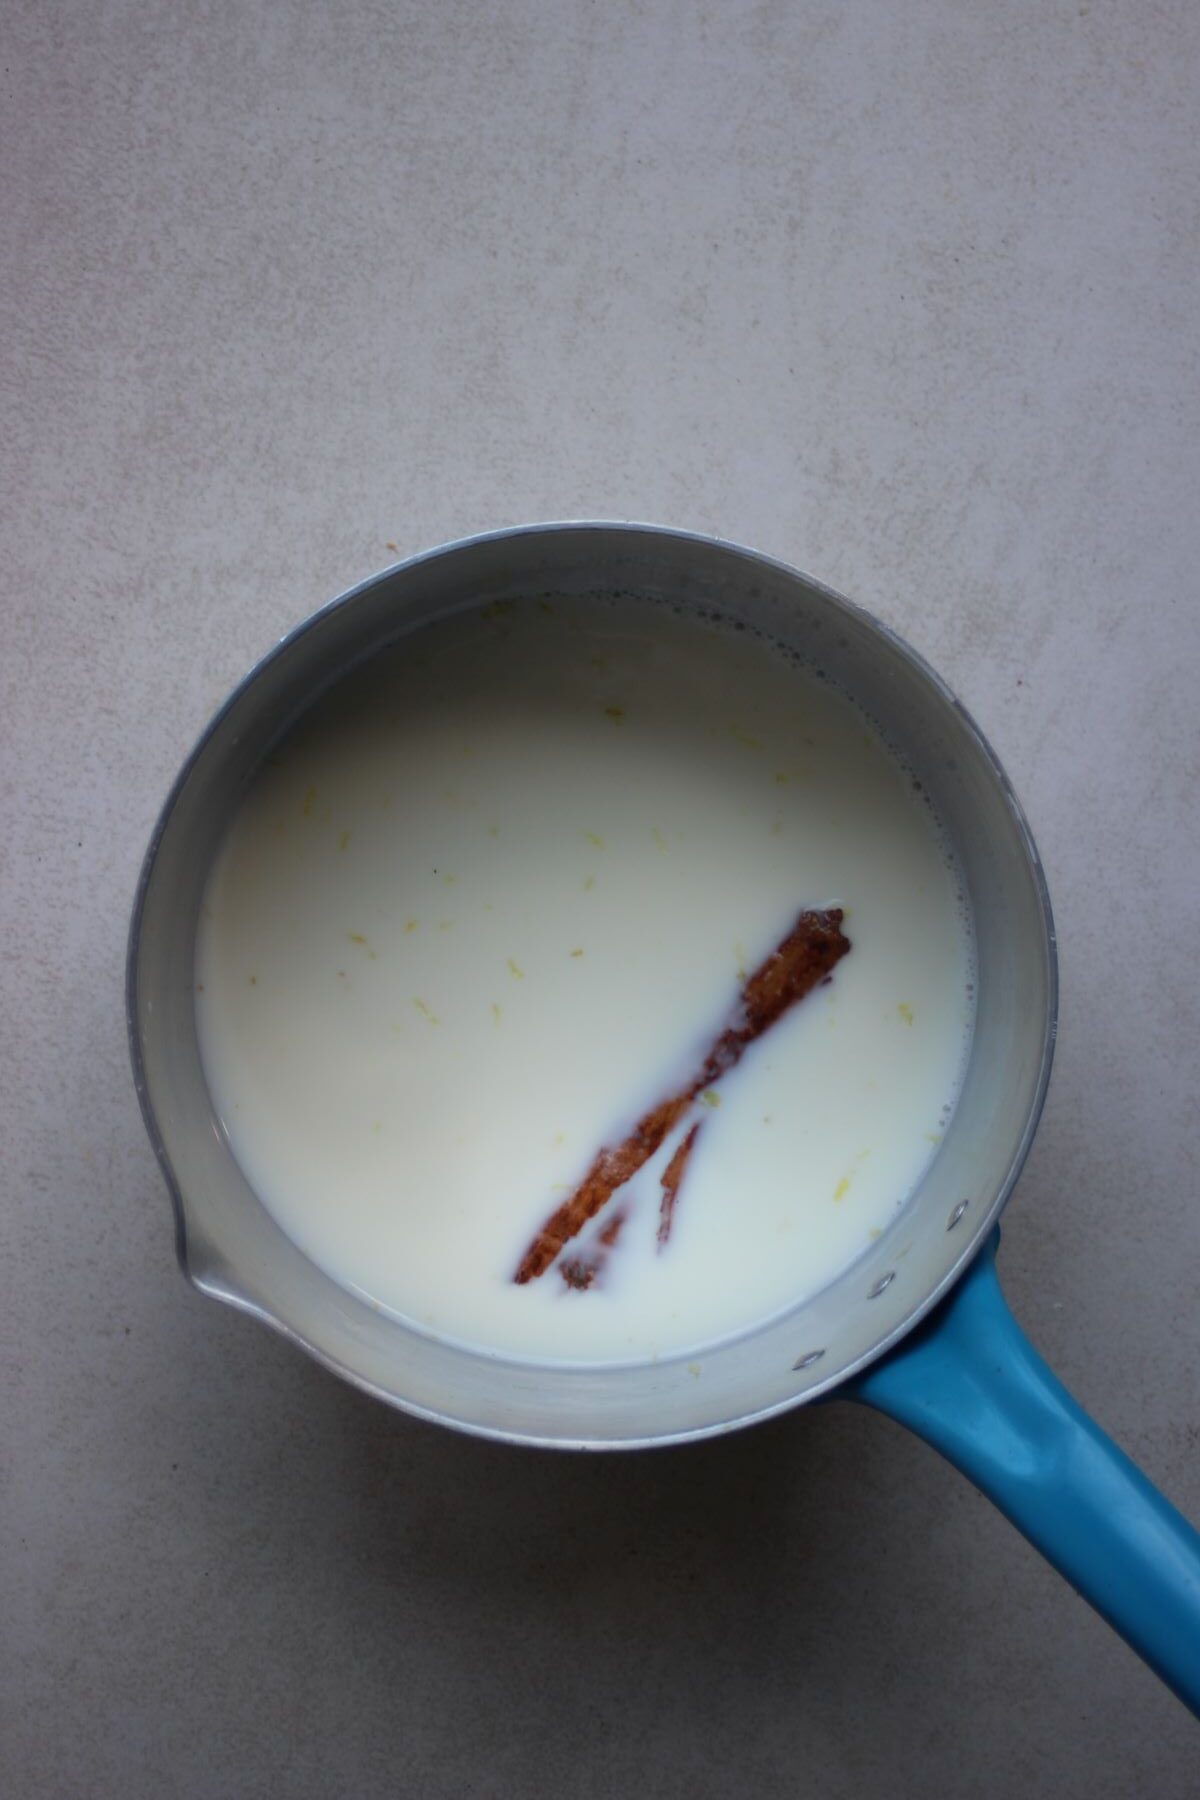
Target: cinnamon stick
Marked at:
671, 1178
612, 1231
581, 1271
810, 951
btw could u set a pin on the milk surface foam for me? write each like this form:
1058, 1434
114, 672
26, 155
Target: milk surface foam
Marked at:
495, 896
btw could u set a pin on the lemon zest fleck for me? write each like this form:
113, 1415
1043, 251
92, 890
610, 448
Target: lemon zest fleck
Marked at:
744, 737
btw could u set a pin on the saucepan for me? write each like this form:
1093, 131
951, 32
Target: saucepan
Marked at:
917, 1327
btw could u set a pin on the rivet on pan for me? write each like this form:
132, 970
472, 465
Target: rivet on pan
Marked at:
957, 1214
885, 1281
806, 1362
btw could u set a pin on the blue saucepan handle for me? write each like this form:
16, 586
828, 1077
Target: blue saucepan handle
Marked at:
969, 1382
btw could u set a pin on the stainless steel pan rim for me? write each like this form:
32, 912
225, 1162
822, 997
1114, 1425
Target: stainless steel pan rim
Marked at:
981, 1218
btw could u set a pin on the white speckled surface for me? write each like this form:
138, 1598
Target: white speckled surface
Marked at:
903, 294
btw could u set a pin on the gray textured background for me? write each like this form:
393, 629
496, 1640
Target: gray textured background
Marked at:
904, 294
